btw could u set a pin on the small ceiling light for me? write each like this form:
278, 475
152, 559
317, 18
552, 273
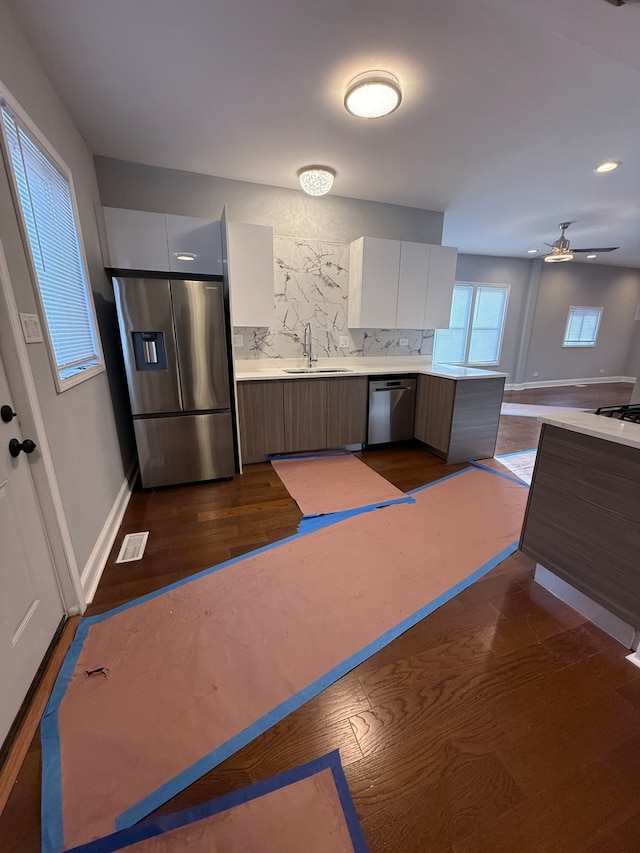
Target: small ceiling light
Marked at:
607, 166
316, 180
373, 94
185, 256
591, 256
558, 257
532, 251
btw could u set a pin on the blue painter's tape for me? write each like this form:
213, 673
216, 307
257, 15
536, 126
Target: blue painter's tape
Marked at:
504, 476
208, 762
315, 522
166, 823
516, 453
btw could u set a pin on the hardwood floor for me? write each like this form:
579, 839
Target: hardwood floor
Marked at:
501, 722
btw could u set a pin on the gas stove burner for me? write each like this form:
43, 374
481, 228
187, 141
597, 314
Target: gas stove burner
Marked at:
629, 412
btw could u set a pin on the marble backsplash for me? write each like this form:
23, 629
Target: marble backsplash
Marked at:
312, 286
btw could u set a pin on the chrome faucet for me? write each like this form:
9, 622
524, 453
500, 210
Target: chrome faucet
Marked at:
307, 346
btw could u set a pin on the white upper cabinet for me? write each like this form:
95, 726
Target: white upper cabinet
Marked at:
397, 284
199, 240
141, 240
137, 239
374, 266
251, 274
412, 285
442, 276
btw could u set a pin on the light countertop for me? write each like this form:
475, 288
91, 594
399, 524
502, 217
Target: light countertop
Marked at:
598, 426
263, 368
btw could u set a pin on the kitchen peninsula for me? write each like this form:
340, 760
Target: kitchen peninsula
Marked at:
582, 523
456, 416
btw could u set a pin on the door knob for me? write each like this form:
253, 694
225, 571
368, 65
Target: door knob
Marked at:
7, 414
16, 446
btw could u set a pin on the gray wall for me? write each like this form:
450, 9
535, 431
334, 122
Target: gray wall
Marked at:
615, 289
290, 212
516, 272
87, 443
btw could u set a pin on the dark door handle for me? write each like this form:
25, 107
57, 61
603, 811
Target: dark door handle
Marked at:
7, 414
16, 446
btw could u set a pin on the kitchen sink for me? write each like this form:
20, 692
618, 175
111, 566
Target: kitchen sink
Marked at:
316, 370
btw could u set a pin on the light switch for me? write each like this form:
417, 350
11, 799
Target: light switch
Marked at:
31, 328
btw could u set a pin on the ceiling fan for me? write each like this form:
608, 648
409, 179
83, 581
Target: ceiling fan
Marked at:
561, 249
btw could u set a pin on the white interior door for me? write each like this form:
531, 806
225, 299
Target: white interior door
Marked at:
30, 603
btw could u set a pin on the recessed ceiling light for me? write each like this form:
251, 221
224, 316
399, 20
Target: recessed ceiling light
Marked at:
185, 256
607, 166
532, 251
592, 256
373, 94
316, 180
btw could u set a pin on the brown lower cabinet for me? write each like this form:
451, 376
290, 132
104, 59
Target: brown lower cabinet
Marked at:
459, 419
291, 415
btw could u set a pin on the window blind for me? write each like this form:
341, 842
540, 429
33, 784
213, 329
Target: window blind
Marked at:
450, 345
45, 201
487, 326
582, 327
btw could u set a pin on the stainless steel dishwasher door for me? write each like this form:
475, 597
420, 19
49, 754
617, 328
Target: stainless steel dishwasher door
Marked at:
391, 410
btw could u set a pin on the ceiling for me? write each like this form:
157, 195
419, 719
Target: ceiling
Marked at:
508, 104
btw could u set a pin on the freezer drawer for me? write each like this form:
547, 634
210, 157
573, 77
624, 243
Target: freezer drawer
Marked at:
185, 448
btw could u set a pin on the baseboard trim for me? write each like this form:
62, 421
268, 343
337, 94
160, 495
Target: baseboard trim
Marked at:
558, 383
92, 572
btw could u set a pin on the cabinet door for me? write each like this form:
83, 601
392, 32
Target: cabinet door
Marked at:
137, 240
412, 285
305, 414
347, 410
373, 283
442, 276
200, 238
261, 419
251, 282
434, 411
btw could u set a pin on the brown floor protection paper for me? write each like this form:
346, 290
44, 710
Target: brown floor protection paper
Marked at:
304, 816
333, 484
191, 668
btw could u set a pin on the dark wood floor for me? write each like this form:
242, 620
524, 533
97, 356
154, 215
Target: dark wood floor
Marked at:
502, 722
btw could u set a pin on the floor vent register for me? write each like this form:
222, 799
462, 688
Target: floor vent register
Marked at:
133, 546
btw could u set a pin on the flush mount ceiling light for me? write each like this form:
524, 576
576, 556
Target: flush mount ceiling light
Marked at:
373, 94
591, 256
607, 166
559, 257
532, 251
316, 180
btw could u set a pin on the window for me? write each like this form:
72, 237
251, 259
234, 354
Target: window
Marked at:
45, 200
474, 336
582, 327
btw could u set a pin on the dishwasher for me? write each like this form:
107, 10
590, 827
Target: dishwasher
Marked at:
391, 409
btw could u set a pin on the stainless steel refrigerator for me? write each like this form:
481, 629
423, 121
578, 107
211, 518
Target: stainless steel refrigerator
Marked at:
174, 342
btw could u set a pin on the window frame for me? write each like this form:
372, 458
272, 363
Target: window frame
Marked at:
476, 285
581, 344
62, 384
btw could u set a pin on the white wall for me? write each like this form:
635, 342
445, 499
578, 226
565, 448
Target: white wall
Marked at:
90, 449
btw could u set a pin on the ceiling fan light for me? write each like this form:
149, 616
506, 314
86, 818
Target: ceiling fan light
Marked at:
607, 166
559, 257
316, 180
373, 94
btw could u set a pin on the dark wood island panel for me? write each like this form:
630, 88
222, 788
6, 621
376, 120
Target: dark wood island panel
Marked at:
458, 418
583, 517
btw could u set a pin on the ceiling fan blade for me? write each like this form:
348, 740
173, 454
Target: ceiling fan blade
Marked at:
607, 249
549, 244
